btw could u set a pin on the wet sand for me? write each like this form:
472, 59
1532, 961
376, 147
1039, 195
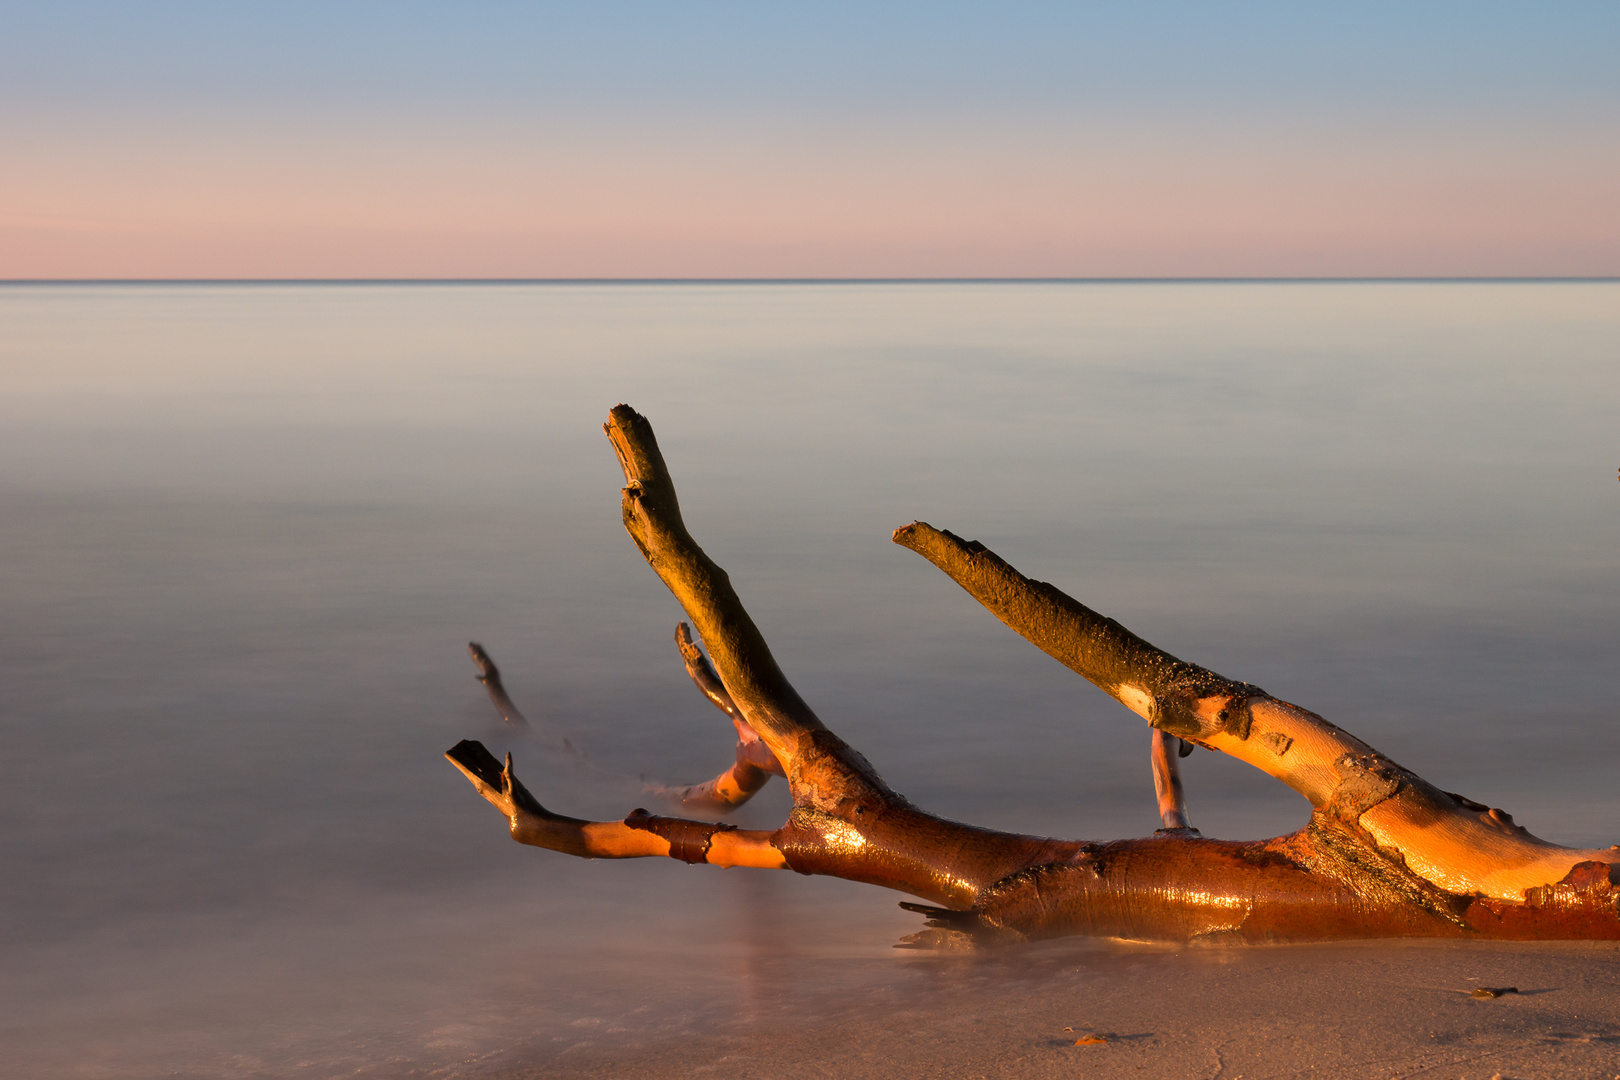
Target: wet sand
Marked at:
577, 969
1377, 1009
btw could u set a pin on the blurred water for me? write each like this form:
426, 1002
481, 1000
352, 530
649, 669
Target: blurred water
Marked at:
246, 531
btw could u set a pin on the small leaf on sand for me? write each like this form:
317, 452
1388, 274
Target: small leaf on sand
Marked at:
1493, 991
1090, 1040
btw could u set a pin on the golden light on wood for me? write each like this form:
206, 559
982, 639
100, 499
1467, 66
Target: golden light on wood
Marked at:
1384, 854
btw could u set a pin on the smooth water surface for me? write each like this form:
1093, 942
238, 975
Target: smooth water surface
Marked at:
246, 532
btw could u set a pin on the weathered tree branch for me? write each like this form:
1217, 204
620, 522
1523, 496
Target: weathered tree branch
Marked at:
820, 767
1452, 842
1167, 788
640, 835
1384, 854
754, 765
751, 769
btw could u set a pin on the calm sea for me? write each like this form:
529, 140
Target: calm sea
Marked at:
247, 531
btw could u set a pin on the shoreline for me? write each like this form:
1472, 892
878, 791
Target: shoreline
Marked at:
1394, 1008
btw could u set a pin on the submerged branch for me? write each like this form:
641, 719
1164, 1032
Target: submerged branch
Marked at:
490, 676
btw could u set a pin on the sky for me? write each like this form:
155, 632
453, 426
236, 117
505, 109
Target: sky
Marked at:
740, 140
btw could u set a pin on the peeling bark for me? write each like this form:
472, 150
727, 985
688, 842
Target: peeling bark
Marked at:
1385, 853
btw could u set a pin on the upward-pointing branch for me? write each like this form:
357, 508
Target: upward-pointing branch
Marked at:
821, 768
652, 516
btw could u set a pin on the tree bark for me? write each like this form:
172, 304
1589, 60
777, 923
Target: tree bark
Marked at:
1384, 853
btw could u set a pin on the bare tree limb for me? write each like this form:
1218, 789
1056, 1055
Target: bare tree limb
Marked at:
1384, 853
819, 765
1452, 843
640, 835
490, 676
753, 766
1167, 781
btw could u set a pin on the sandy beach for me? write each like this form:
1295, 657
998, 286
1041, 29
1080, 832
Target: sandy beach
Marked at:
1373, 1009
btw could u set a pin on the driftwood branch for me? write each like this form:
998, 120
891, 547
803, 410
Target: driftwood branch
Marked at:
490, 676
754, 765
1384, 853
1452, 842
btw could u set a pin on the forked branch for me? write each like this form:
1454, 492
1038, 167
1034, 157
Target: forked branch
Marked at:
1448, 841
1384, 854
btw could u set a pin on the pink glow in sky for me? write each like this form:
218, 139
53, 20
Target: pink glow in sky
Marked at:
530, 146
